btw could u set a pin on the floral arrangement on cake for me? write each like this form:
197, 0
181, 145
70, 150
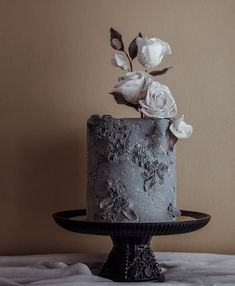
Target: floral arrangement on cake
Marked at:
139, 89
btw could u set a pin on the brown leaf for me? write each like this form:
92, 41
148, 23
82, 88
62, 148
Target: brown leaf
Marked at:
172, 139
116, 40
160, 72
133, 49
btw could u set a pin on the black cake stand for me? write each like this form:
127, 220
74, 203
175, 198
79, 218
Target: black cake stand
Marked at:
131, 258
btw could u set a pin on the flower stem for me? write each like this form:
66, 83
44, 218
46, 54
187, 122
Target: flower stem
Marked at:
131, 68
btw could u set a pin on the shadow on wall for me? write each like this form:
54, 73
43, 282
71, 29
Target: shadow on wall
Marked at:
51, 177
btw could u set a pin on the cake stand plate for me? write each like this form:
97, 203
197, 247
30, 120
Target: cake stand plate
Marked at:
131, 258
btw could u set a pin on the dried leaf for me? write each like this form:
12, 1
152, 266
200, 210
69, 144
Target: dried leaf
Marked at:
116, 40
133, 49
116, 44
115, 34
160, 72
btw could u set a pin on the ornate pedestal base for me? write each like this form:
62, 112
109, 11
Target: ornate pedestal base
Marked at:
131, 262
131, 258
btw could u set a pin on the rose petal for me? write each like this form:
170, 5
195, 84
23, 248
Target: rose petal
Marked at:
151, 51
181, 129
119, 61
133, 86
159, 102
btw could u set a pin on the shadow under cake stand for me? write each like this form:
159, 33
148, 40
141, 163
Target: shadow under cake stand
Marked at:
131, 258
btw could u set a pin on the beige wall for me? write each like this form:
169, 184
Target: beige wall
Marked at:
55, 72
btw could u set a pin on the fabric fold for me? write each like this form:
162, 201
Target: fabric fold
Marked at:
72, 270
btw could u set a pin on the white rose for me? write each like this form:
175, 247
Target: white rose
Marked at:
119, 61
159, 102
151, 51
133, 86
181, 129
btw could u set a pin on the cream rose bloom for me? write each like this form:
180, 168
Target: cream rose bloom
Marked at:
159, 102
133, 86
151, 51
119, 61
181, 129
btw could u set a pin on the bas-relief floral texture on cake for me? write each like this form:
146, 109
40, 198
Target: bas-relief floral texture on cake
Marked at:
173, 211
113, 135
154, 170
116, 206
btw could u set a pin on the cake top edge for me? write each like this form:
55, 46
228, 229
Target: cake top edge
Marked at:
96, 117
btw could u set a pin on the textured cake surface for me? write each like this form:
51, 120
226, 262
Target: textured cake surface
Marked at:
131, 170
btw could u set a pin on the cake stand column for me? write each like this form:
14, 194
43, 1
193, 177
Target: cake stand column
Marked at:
130, 260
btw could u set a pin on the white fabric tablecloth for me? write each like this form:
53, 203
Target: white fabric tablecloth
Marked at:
73, 270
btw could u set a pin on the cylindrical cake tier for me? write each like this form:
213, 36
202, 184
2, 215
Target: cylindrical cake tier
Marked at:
131, 170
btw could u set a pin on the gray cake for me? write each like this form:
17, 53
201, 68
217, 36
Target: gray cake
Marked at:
131, 170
